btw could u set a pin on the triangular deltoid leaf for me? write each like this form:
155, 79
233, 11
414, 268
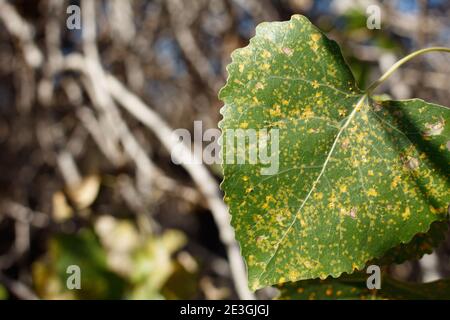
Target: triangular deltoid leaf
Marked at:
354, 177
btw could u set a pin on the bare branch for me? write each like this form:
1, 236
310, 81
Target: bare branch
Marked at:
199, 173
20, 29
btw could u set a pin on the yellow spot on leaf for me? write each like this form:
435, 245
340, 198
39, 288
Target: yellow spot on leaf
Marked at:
318, 196
395, 182
266, 54
315, 84
302, 223
307, 113
251, 260
360, 137
406, 214
293, 275
434, 210
244, 125
315, 37
259, 86
275, 111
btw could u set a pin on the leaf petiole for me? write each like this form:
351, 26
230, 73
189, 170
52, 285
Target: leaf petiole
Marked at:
396, 65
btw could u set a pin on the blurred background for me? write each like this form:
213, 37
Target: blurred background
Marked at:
86, 176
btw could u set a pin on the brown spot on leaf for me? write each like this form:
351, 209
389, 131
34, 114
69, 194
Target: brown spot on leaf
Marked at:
434, 129
412, 163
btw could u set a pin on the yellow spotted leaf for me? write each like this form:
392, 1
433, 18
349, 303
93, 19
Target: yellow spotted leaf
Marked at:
319, 178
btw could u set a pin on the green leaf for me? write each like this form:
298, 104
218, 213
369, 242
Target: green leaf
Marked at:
84, 250
354, 287
153, 265
421, 244
355, 177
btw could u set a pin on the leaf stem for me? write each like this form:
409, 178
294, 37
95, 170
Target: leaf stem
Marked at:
396, 65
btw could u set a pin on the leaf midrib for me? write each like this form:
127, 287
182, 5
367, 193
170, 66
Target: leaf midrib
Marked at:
333, 147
